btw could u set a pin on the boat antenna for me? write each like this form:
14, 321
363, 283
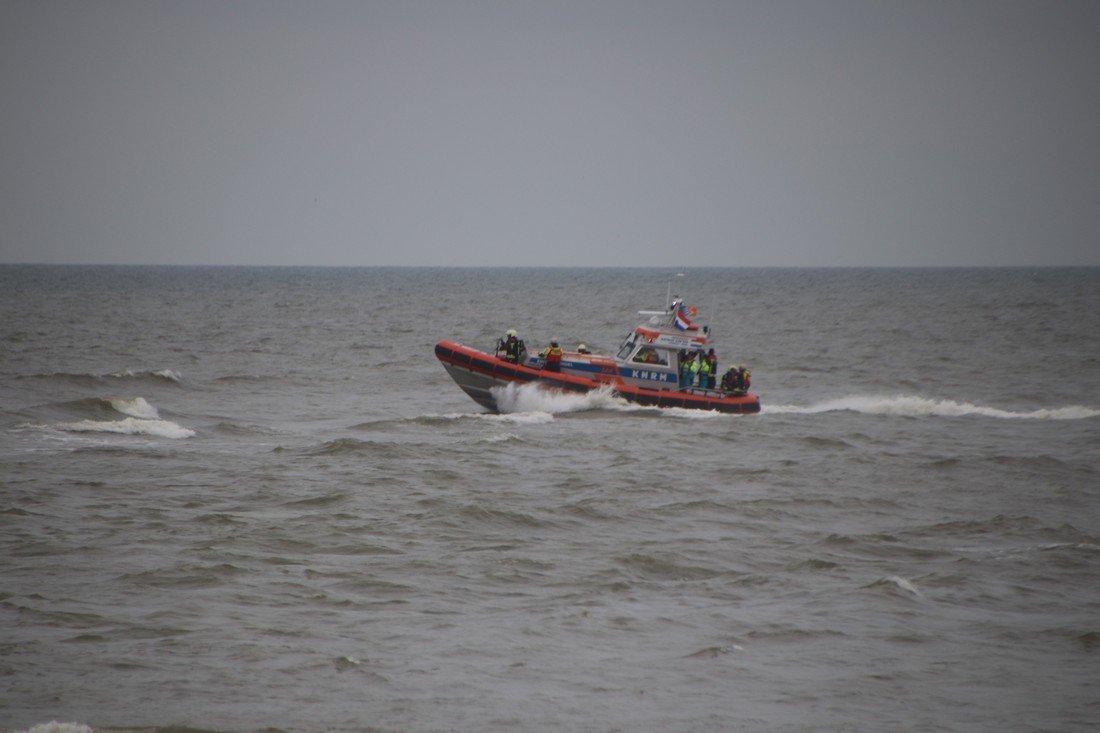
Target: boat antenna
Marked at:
679, 279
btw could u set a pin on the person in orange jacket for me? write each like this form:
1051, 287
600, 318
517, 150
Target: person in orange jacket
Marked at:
552, 354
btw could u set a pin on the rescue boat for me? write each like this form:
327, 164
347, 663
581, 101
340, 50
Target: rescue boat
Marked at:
645, 370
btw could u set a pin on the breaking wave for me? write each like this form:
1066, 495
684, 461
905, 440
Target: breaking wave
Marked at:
909, 406
141, 418
896, 583
137, 407
57, 727
158, 375
166, 374
130, 426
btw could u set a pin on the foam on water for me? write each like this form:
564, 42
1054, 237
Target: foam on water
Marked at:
905, 584
169, 374
130, 426
533, 398
137, 407
911, 406
141, 418
533, 417
689, 414
57, 727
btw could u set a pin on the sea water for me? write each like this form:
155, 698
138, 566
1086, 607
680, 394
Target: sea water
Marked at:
248, 499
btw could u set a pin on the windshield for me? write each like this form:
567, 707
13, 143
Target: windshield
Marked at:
650, 355
627, 347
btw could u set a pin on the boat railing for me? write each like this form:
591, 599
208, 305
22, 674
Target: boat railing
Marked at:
712, 392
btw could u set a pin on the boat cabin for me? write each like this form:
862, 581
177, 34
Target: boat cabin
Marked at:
650, 357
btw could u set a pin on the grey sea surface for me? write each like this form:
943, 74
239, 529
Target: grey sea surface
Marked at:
250, 499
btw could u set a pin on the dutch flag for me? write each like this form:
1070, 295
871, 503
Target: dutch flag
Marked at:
682, 321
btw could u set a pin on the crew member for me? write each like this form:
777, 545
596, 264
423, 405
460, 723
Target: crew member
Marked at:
582, 349
712, 359
512, 346
685, 369
552, 354
729, 380
737, 379
704, 370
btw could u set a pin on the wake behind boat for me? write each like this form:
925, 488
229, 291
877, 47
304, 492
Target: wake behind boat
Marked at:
659, 364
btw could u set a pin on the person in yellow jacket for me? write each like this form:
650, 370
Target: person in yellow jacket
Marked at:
552, 354
704, 370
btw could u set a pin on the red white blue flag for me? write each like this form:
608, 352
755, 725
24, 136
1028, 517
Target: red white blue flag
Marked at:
681, 322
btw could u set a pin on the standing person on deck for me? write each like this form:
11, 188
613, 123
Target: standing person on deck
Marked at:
512, 346
712, 360
552, 354
685, 369
689, 368
704, 370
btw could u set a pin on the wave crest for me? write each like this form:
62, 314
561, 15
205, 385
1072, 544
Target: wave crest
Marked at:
57, 727
911, 406
137, 407
158, 376
130, 426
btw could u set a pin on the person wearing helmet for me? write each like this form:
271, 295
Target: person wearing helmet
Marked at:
582, 349
737, 380
512, 346
552, 354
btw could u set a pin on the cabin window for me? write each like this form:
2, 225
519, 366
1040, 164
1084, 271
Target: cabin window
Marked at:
628, 346
649, 355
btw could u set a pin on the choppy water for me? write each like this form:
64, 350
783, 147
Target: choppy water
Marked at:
251, 499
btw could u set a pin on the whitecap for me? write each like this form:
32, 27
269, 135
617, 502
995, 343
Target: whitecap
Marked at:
169, 374
130, 426
56, 727
911, 406
345, 663
896, 581
136, 407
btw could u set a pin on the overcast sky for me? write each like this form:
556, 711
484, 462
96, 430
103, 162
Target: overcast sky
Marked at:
595, 132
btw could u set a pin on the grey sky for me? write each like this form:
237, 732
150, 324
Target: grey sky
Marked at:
596, 132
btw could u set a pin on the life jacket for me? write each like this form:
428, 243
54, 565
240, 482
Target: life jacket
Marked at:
553, 358
733, 380
513, 349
